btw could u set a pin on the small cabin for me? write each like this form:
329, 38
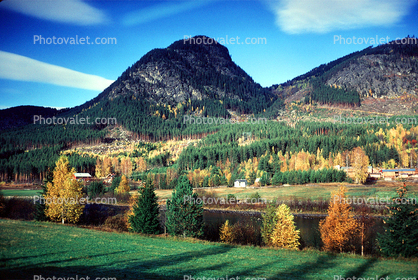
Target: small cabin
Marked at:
82, 176
241, 183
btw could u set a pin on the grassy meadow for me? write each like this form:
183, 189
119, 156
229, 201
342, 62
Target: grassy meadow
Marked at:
47, 249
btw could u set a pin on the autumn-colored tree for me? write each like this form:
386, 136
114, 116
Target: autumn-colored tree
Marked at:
126, 166
98, 168
63, 194
404, 158
116, 165
226, 233
339, 227
123, 186
361, 163
107, 166
141, 164
285, 234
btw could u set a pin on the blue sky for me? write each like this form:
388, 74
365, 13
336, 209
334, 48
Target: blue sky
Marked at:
293, 37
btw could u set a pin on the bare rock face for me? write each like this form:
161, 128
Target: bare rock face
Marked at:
378, 75
188, 69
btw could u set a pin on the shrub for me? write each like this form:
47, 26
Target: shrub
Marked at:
231, 197
118, 222
95, 189
226, 233
254, 197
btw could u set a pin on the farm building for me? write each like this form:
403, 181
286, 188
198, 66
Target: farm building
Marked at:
398, 173
82, 176
241, 183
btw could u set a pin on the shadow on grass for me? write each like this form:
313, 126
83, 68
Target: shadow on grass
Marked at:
163, 267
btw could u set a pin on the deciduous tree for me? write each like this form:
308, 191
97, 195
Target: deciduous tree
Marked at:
64, 194
285, 234
339, 227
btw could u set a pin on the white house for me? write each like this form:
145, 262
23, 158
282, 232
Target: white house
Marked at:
240, 183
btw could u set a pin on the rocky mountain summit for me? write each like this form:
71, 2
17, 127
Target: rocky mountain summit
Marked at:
379, 75
386, 72
196, 68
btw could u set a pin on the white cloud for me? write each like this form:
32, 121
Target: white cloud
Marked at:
162, 10
322, 16
22, 68
66, 11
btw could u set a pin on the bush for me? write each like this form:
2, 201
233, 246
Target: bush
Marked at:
95, 189
231, 197
226, 233
115, 183
254, 197
17, 208
118, 222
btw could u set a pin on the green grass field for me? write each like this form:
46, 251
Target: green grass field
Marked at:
21, 192
309, 191
33, 248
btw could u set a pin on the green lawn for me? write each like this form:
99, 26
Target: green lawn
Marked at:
21, 192
33, 248
309, 191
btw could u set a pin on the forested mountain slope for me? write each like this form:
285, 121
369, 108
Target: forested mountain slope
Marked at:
385, 71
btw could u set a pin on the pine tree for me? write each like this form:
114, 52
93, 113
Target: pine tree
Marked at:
339, 227
145, 211
63, 194
269, 223
401, 231
40, 207
285, 234
184, 215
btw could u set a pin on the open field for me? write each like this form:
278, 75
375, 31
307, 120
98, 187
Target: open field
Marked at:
14, 192
33, 248
309, 191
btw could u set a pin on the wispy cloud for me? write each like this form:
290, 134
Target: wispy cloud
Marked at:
161, 11
22, 68
322, 16
66, 11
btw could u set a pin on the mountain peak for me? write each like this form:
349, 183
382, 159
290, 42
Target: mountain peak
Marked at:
193, 68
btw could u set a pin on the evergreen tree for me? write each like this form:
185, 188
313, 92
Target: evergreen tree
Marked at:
115, 183
401, 231
276, 180
40, 207
269, 223
145, 211
95, 189
184, 215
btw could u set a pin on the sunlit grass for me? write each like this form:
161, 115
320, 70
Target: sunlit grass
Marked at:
32, 248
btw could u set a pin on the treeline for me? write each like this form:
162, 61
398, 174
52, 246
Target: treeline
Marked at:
274, 137
27, 166
298, 177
